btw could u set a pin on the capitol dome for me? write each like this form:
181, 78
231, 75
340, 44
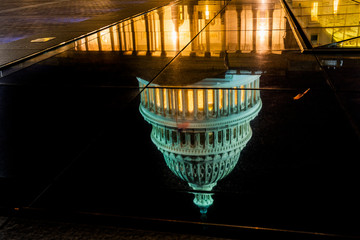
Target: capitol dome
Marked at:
202, 128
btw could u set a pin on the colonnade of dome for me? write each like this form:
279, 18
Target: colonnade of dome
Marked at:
206, 103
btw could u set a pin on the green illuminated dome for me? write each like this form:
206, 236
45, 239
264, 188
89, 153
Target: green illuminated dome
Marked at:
202, 128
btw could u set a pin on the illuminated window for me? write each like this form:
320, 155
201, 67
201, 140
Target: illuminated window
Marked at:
151, 95
242, 94
180, 100
165, 92
220, 99
170, 99
200, 100
190, 105
105, 40
210, 100
157, 95
226, 99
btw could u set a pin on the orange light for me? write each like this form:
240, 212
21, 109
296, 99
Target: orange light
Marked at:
200, 100
180, 100
190, 94
210, 99
157, 95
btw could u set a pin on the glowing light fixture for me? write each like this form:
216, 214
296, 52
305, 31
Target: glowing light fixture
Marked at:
207, 13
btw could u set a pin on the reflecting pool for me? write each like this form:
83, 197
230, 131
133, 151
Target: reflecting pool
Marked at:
198, 115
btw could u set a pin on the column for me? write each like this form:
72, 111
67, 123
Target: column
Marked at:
271, 13
133, 37
183, 103
195, 104
224, 108
87, 43
168, 103
154, 99
172, 102
207, 143
258, 91
162, 107
223, 34
238, 11
246, 98
223, 136
216, 141
176, 102
229, 101
216, 102
197, 140
162, 36
207, 39
206, 107
148, 49
148, 98
112, 38
232, 92
119, 35
254, 11
192, 27
99, 41
124, 36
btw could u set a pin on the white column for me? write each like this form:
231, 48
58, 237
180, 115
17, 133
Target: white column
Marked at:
258, 91
238, 100
246, 98
162, 107
154, 98
216, 138
183, 102
168, 103
176, 102
216, 103
195, 104
207, 140
229, 101
233, 100
206, 109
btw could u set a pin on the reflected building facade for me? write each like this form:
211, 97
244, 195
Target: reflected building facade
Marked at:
241, 27
327, 22
201, 129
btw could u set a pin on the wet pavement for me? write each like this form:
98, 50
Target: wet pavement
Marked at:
201, 118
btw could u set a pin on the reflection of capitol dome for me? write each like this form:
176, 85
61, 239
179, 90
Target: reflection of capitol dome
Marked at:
202, 128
